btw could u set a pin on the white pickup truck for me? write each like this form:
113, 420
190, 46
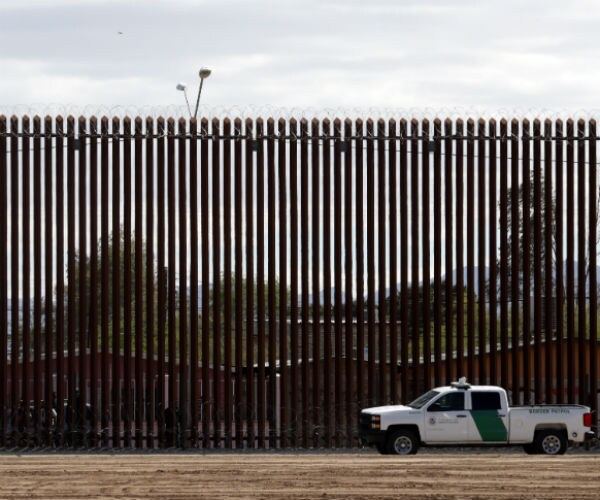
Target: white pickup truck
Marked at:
466, 415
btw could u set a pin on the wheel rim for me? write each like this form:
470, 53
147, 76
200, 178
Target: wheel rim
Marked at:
403, 445
551, 445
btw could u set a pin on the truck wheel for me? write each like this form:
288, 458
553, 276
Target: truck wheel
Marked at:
402, 442
551, 442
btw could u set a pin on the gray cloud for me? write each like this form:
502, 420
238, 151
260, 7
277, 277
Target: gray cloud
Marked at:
312, 53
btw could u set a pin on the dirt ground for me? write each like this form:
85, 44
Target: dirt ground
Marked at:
305, 476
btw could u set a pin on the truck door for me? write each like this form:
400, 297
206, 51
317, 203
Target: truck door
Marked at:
446, 420
488, 422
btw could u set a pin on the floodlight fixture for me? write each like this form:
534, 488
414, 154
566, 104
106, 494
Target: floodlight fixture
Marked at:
182, 88
203, 73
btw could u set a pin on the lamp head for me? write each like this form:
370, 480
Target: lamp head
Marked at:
204, 73
181, 86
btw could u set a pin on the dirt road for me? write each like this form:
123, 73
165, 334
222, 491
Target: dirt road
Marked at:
305, 476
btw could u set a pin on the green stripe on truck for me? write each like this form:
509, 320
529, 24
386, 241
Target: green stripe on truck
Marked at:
490, 425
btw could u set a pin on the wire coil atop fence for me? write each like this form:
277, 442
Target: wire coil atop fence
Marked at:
276, 112
359, 130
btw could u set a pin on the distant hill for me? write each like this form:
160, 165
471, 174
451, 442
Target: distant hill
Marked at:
476, 274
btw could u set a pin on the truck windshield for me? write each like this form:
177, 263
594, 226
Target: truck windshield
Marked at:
423, 399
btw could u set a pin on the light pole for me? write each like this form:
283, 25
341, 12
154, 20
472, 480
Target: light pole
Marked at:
203, 73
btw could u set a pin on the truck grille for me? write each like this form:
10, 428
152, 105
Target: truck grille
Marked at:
364, 421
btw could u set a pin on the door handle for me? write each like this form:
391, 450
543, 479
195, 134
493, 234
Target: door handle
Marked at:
461, 416
500, 415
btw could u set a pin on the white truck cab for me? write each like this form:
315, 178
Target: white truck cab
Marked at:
466, 415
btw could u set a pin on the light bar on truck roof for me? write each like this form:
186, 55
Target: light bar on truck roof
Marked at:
461, 383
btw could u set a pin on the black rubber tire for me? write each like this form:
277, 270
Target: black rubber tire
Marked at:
551, 442
402, 442
381, 448
529, 448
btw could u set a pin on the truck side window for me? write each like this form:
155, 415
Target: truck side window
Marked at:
485, 400
453, 401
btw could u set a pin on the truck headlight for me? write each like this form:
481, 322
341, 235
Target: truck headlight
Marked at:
375, 421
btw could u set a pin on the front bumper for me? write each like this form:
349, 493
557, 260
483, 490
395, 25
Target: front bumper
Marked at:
371, 437
368, 435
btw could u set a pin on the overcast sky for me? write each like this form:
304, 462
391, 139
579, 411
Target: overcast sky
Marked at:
310, 53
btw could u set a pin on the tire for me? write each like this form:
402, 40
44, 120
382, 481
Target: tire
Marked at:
551, 442
402, 442
529, 448
381, 448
